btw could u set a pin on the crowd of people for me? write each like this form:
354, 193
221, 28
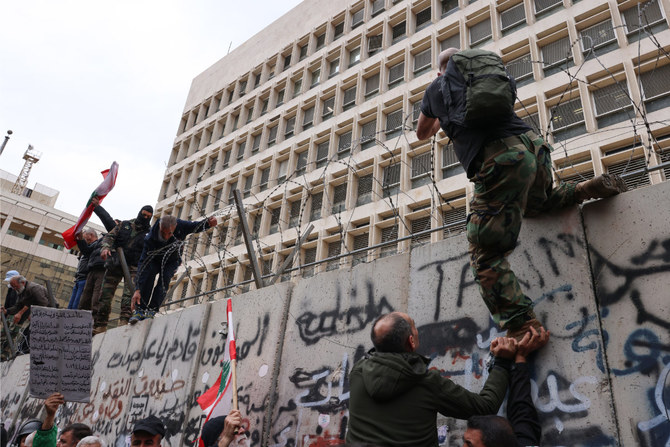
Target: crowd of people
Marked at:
394, 396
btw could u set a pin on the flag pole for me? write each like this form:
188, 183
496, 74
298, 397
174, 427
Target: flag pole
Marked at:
234, 371
232, 349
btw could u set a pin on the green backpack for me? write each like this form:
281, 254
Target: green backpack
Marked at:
477, 88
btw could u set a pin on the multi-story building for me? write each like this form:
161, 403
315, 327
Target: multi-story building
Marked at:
312, 119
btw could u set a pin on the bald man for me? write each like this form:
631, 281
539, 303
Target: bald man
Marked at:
395, 397
511, 168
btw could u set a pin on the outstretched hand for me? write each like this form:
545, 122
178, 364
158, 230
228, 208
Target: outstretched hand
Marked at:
503, 347
51, 405
135, 300
532, 341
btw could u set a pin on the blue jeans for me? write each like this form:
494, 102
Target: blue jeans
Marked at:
77, 290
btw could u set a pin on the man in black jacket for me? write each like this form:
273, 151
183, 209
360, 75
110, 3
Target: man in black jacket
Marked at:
129, 236
96, 265
89, 236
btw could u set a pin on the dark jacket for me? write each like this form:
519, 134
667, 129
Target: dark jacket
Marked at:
170, 250
521, 411
86, 250
33, 294
395, 399
130, 236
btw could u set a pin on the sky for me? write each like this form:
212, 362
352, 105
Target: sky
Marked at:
88, 82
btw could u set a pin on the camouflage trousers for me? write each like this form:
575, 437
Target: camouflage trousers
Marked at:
103, 307
513, 181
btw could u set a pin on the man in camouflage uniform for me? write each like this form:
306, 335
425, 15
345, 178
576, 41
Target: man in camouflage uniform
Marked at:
128, 235
511, 168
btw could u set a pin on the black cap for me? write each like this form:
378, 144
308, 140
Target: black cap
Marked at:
151, 425
211, 430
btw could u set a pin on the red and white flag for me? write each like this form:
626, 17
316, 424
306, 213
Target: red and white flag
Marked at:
218, 400
109, 176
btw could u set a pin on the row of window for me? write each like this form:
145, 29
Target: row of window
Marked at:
556, 53
609, 104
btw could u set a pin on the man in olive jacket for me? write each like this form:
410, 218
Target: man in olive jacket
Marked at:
395, 398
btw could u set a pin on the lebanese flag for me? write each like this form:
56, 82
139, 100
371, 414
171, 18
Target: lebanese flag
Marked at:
109, 176
218, 400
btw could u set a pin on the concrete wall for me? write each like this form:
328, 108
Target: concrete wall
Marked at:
598, 277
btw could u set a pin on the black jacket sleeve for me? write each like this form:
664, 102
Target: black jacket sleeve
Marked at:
520, 409
104, 216
84, 248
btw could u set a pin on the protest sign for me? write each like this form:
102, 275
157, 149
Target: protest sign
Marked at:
60, 353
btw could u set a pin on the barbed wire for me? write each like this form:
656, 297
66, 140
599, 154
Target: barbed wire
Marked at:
296, 183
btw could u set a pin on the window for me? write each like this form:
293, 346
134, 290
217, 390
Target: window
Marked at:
389, 234
264, 106
372, 86
556, 56
294, 217
598, 39
290, 126
272, 135
374, 44
369, 134
316, 77
513, 18
338, 31
315, 212
480, 32
212, 165
334, 67
567, 119
420, 225
354, 56
217, 198
320, 41
416, 111
344, 145
265, 177
377, 7
450, 164
631, 164
422, 62
533, 121
422, 18
310, 256
421, 170
391, 179
256, 145
360, 242
349, 98
303, 52
322, 154
399, 32
339, 198
297, 87
393, 124
307, 118
328, 108
612, 104
236, 121
231, 191
301, 162
364, 191
655, 88
449, 7
280, 97
250, 114
357, 18
396, 74
248, 183
642, 19
243, 87
334, 249
454, 220
275, 214
257, 80
282, 170
226, 158
521, 69
287, 61
453, 41
240, 150
542, 6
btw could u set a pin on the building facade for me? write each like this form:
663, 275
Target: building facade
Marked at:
313, 120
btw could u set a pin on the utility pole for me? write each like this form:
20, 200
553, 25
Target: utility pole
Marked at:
4, 143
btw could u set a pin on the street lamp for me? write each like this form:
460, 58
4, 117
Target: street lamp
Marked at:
4, 143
